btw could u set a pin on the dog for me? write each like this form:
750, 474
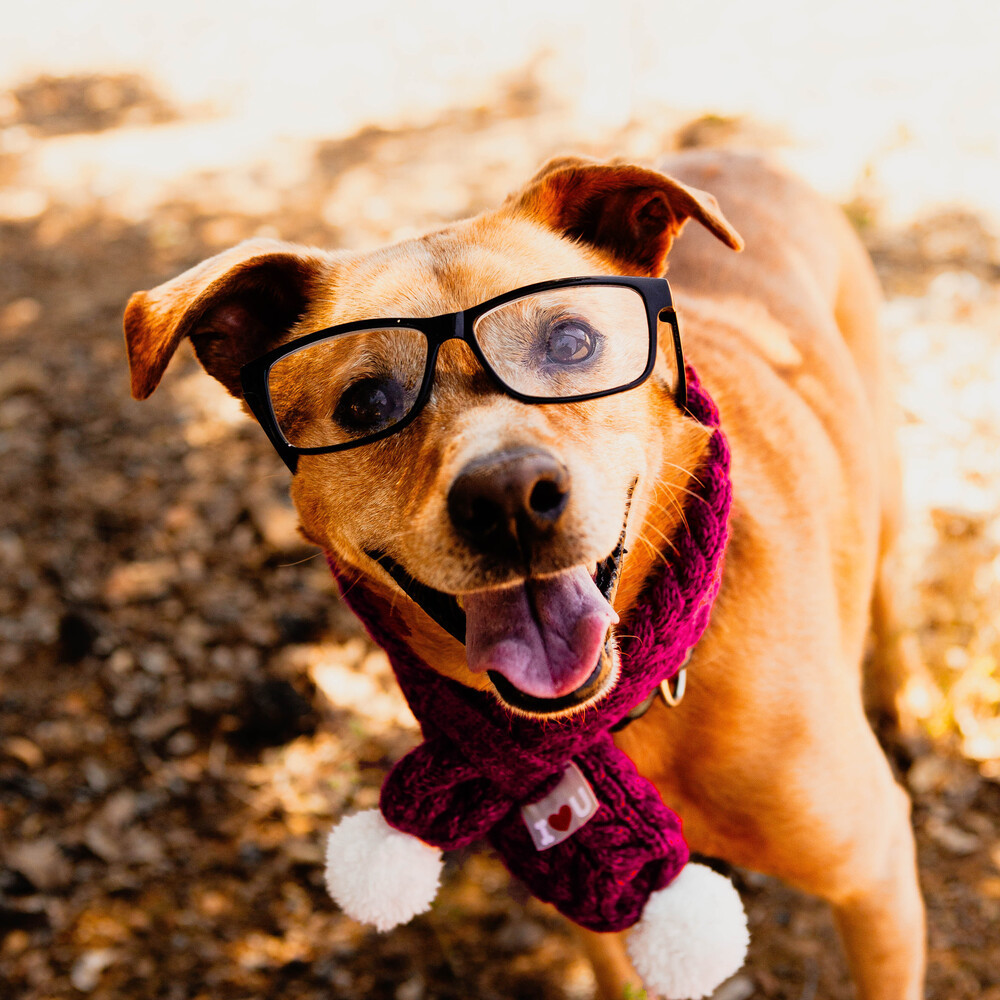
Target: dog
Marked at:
485, 499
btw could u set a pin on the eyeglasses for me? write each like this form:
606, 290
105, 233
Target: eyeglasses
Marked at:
554, 342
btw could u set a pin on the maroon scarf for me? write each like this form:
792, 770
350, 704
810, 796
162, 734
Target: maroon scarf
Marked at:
479, 764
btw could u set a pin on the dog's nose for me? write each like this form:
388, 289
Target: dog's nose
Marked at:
509, 498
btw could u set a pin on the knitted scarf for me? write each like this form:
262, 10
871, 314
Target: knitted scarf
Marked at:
479, 763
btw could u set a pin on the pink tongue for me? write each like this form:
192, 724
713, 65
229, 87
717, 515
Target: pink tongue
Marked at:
544, 636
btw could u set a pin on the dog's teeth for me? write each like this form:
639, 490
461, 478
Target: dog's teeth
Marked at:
460, 601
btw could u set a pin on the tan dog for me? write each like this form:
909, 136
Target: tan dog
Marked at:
770, 759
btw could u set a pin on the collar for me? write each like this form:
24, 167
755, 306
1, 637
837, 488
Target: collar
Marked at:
670, 691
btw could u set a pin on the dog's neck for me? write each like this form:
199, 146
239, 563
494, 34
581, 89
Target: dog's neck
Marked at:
666, 623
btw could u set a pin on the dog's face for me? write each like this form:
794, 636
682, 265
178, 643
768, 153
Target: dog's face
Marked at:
507, 514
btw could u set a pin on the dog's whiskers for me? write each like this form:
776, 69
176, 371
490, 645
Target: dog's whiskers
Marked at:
300, 562
666, 541
685, 490
677, 507
687, 472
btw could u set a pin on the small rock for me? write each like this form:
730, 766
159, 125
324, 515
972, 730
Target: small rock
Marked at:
22, 749
12, 551
126, 701
935, 775
413, 989
278, 525
303, 851
42, 863
211, 696
89, 967
16, 943
156, 727
952, 838
341, 979
519, 935
738, 988
21, 375
121, 661
57, 737
99, 778
182, 744
156, 660
928, 774
140, 581
120, 809
105, 845
981, 824
143, 847
20, 313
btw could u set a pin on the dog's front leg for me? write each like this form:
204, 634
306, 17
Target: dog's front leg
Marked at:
827, 818
853, 846
879, 910
612, 968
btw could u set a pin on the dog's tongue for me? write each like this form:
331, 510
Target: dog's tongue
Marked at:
544, 635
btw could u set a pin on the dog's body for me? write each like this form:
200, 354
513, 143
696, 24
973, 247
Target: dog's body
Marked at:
770, 759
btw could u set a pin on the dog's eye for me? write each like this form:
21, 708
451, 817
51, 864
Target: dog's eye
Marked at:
570, 343
370, 404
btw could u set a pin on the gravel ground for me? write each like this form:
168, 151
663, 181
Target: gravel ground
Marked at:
184, 705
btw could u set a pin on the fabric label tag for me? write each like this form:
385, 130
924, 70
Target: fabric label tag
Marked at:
562, 812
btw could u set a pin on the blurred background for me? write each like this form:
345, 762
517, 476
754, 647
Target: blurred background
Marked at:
184, 706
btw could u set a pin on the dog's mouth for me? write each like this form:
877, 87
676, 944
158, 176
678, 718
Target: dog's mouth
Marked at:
546, 643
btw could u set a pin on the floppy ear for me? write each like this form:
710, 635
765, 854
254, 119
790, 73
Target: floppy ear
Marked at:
234, 307
628, 212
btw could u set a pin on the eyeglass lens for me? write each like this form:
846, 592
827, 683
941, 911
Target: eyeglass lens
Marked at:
553, 345
347, 387
567, 341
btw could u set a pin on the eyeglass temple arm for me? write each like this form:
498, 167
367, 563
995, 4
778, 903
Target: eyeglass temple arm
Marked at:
669, 315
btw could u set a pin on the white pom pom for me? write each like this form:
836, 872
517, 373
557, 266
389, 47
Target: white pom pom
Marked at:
378, 875
692, 935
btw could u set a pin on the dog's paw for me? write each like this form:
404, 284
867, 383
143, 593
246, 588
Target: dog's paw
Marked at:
378, 875
692, 935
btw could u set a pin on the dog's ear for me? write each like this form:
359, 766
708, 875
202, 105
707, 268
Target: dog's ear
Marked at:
562, 162
625, 211
234, 307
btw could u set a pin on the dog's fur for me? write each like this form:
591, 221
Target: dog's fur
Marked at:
770, 759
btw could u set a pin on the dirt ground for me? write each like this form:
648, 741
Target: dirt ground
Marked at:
185, 708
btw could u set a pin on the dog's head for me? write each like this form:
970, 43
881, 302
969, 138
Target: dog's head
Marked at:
513, 516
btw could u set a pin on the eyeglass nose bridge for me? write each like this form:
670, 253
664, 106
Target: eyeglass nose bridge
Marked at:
458, 327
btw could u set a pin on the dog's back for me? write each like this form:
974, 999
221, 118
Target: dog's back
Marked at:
803, 289
785, 337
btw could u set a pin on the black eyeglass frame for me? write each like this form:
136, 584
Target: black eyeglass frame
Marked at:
655, 294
